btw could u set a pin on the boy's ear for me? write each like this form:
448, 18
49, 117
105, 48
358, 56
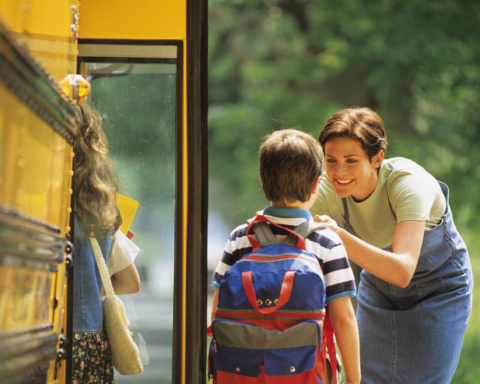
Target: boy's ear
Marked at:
315, 184
260, 177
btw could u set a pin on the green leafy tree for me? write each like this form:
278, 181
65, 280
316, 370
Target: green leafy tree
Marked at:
294, 62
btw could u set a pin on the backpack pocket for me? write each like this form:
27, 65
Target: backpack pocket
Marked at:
249, 354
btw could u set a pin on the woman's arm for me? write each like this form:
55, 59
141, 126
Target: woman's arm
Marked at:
126, 281
396, 267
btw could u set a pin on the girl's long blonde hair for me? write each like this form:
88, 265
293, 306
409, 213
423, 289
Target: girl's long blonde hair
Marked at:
95, 181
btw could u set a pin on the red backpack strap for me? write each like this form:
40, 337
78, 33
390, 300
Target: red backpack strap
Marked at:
285, 291
328, 344
330, 341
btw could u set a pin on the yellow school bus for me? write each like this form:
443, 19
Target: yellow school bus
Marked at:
144, 68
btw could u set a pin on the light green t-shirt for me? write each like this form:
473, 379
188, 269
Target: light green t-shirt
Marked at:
405, 191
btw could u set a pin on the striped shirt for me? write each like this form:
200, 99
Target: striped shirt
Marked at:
323, 243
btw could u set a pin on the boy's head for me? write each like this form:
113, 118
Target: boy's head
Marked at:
290, 163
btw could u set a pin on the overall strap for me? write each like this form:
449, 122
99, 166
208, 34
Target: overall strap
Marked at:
348, 226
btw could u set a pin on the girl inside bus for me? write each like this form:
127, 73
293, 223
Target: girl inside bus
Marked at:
96, 214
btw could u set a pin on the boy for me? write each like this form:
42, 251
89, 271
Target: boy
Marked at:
291, 165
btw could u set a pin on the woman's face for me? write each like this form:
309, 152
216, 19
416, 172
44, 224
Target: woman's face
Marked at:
349, 168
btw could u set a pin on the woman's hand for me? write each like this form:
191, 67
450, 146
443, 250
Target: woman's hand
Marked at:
328, 221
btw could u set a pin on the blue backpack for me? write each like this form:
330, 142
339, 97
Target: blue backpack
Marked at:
270, 323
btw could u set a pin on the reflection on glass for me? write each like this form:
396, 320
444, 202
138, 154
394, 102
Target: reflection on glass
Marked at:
137, 104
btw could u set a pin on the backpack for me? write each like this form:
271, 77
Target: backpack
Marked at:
271, 325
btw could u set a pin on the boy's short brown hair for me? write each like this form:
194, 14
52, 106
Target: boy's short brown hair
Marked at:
290, 161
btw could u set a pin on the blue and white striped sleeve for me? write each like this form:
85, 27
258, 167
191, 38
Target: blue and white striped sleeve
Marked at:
338, 274
237, 246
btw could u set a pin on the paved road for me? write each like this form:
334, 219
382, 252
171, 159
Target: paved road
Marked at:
151, 316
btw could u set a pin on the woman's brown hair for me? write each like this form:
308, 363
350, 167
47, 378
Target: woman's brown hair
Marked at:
361, 124
95, 178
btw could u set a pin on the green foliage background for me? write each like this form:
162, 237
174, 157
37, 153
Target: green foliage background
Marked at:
292, 63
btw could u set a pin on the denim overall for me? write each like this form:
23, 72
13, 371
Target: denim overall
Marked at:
87, 305
414, 335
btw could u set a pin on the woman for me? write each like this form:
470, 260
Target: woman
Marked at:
96, 215
414, 296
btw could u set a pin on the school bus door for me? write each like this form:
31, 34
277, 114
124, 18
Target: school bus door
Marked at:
147, 68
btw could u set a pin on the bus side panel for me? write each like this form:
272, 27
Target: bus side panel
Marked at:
48, 29
35, 166
37, 55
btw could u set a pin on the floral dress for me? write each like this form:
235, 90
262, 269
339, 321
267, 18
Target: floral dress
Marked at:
92, 359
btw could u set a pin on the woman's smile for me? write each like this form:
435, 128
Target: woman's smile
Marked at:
344, 181
349, 169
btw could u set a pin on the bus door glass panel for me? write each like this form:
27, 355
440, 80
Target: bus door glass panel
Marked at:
137, 104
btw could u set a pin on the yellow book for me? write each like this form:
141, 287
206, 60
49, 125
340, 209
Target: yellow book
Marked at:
128, 207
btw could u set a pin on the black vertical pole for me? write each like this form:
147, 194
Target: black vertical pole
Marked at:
197, 105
